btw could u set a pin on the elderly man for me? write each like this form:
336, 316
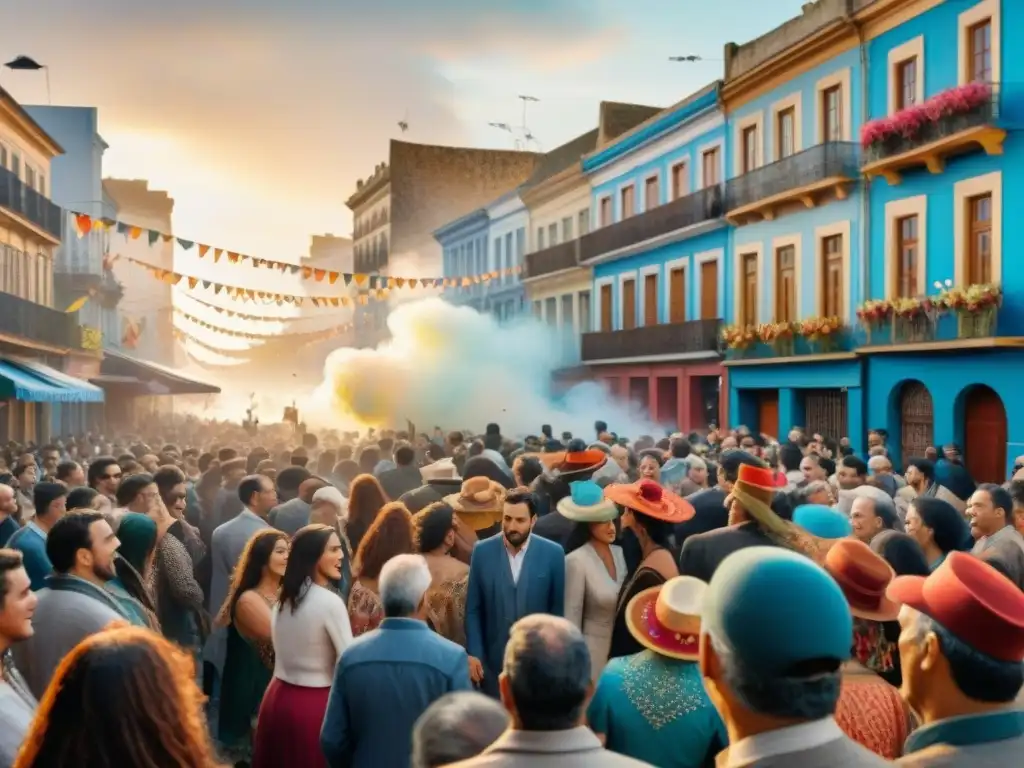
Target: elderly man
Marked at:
545, 686
456, 727
775, 632
388, 677
871, 512
961, 652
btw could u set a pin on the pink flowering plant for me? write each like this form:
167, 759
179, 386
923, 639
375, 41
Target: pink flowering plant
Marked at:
910, 123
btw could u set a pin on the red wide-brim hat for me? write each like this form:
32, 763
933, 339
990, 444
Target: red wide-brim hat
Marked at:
645, 627
649, 498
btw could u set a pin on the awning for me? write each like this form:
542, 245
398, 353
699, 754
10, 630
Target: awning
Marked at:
33, 382
120, 369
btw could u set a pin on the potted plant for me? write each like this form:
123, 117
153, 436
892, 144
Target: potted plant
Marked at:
822, 333
873, 314
914, 319
781, 337
976, 308
739, 339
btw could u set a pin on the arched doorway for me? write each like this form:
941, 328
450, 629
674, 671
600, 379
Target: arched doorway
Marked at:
917, 420
985, 435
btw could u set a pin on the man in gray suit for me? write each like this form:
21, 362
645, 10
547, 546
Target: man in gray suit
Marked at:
258, 497
961, 651
775, 631
545, 686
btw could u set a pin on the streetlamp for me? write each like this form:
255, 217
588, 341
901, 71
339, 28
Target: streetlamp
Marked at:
28, 64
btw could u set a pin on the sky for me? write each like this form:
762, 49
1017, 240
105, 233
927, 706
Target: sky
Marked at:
259, 116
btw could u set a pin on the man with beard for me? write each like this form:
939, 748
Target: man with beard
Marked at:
510, 576
74, 603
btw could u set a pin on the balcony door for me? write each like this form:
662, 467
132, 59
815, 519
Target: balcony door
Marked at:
628, 305
650, 299
677, 295
606, 308
709, 290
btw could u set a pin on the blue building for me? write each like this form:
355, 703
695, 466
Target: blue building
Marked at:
508, 219
464, 251
657, 246
905, 224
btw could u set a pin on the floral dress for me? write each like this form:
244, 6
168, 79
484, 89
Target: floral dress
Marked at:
365, 611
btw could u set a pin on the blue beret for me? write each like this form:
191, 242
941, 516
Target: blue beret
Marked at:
823, 522
775, 608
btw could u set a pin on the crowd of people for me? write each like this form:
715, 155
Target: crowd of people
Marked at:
393, 598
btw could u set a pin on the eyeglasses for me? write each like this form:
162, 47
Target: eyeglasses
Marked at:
111, 477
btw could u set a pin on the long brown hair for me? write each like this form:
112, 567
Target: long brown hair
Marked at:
249, 571
121, 697
366, 498
391, 534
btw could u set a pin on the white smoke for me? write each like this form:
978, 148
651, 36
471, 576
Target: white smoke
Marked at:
459, 369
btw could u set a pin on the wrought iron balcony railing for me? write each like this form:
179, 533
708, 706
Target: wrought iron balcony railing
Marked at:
20, 199
690, 337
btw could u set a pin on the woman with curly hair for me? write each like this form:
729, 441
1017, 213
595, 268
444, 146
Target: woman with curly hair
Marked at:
310, 631
391, 534
122, 697
365, 500
249, 663
435, 533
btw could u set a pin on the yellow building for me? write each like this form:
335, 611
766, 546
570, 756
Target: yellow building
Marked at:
39, 343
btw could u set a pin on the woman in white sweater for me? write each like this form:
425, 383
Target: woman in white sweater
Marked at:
310, 630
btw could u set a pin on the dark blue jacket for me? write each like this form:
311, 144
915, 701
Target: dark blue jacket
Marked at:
30, 542
382, 684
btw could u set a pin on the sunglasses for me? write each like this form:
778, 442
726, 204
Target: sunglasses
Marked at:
111, 477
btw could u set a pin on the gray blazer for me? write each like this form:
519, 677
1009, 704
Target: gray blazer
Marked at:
576, 748
991, 740
994, 754
226, 548
837, 753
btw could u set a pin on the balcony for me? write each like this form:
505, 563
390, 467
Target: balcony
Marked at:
32, 209
696, 338
554, 259
839, 341
807, 178
24, 319
954, 122
681, 213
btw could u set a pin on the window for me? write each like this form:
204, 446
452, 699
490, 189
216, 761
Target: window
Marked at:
567, 314
584, 312
605, 212
652, 193
606, 308
567, 229
680, 185
785, 133
583, 219
650, 299
785, 284
551, 312
16, 165
540, 238
906, 83
552, 234
42, 185
906, 257
538, 310
979, 248
979, 51
748, 299
30, 177
3, 156
497, 253
709, 167
628, 305
749, 148
832, 113
520, 244
677, 295
832, 276
510, 260
628, 201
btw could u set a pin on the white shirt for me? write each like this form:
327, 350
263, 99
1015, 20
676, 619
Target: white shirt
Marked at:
783, 741
515, 561
308, 641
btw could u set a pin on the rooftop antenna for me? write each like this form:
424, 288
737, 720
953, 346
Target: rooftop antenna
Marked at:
404, 122
527, 134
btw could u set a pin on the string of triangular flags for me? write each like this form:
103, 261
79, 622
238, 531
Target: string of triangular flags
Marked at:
184, 336
84, 224
171, 277
325, 333
243, 315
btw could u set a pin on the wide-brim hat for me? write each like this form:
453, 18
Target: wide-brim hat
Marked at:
864, 576
587, 504
666, 618
442, 469
973, 601
579, 462
649, 498
480, 502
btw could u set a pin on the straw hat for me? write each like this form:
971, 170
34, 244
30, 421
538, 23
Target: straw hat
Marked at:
480, 502
864, 576
649, 498
666, 618
587, 504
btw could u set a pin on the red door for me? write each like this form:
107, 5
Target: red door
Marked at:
985, 436
768, 412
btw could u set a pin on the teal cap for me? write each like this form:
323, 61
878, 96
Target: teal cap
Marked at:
775, 608
823, 522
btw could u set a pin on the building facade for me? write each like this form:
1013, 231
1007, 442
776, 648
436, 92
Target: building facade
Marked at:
656, 247
871, 153
508, 223
465, 256
40, 345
